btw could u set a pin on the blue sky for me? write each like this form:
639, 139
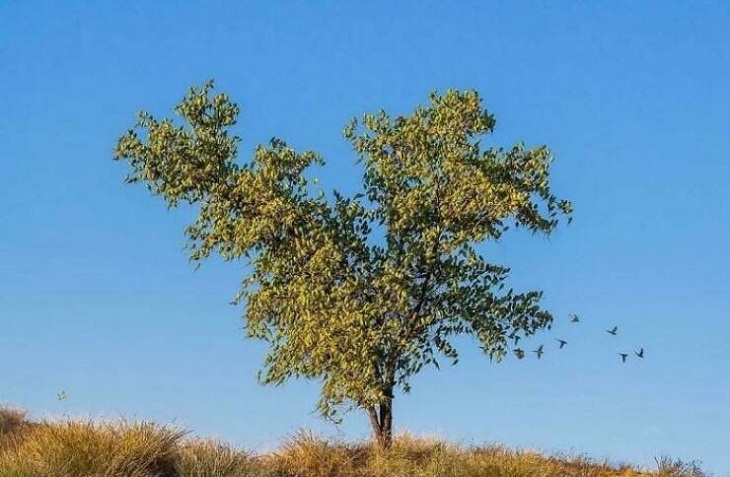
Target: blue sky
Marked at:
98, 298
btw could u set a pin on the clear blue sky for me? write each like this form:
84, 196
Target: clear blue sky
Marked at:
97, 296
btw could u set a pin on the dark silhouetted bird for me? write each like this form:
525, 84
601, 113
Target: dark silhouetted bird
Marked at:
639, 353
539, 352
562, 343
574, 318
516, 339
520, 353
612, 331
623, 357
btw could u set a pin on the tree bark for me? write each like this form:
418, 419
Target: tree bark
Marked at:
386, 422
375, 424
381, 420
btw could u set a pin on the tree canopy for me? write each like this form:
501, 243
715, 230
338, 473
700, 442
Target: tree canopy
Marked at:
358, 291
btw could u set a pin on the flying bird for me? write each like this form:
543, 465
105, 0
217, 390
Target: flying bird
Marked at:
612, 331
61, 396
562, 343
539, 352
623, 357
574, 318
639, 353
520, 353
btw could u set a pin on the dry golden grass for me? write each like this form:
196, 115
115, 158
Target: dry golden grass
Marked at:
12, 420
73, 449
122, 449
211, 458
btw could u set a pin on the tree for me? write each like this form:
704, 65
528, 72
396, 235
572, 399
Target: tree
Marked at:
361, 292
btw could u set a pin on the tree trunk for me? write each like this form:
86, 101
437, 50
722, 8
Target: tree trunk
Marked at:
386, 422
375, 424
381, 420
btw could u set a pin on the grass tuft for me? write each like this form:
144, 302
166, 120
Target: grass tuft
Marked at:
78, 448
211, 458
305, 454
12, 420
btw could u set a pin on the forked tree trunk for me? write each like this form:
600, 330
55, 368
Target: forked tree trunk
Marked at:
381, 420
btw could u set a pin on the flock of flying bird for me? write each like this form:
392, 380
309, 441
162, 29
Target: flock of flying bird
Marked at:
520, 353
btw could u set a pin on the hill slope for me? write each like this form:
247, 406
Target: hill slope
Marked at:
67, 448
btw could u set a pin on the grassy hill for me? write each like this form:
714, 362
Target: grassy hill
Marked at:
67, 448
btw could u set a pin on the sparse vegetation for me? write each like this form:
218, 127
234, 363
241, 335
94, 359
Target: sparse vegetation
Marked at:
123, 449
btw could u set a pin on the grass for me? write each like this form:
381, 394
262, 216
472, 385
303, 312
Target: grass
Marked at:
73, 448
